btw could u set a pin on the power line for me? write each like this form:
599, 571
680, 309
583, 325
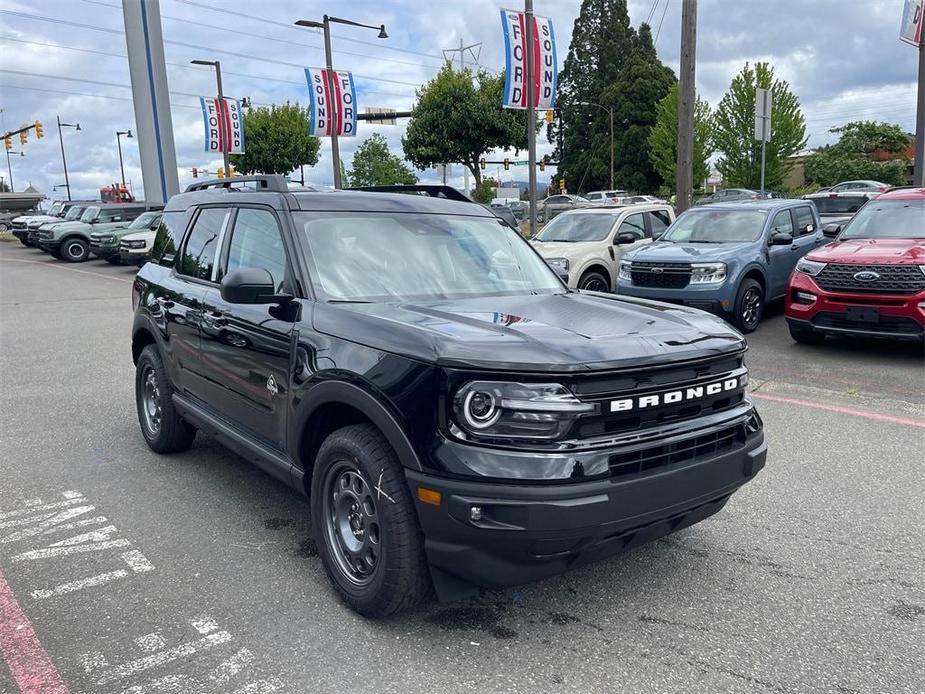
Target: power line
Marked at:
652, 12
87, 94
659, 30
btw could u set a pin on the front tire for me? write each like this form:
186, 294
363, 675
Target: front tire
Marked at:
593, 281
161, 425
24, 241
74, 250
749, 306
365, 523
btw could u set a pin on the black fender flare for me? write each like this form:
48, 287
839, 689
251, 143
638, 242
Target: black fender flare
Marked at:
761, 271
342, 392
143, 321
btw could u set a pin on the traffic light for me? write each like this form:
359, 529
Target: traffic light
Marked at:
232, 171
507, 163
8, 143
23, 137
221, 172
543, 164
195, 172
562, 184
39, 130
481, 163
550, 116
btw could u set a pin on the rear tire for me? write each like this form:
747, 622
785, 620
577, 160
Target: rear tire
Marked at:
162, 427
365, 524
805, 336
749, 306
114, 260
74, 250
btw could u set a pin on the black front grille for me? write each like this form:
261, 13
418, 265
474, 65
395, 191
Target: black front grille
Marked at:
661, 455
661, 275
887, 324
19, 225
892, 279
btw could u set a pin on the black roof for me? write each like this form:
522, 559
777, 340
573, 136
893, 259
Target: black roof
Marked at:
364, 201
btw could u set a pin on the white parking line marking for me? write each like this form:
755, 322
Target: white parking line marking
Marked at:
79, 584
71, 494
137, 561
61, 267
204, 625
47, 522
44, 507
231, 666
261, 686
65, 551
170, 684
32, 502
150, 642
93, 661
182, 651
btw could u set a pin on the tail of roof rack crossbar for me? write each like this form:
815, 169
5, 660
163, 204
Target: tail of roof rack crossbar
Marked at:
434, 191
269, 182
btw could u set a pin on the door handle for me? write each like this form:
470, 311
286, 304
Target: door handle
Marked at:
164, 303
215, 317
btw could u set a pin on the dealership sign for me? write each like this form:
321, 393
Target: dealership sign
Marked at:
224, 125
332, 103
542, 53
911, 29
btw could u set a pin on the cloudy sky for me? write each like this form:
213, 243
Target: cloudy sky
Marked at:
843, 59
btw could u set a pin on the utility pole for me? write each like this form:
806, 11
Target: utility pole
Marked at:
224, 138
119, 134
531, 116
684, 166
918, 176
462, 66
76, 126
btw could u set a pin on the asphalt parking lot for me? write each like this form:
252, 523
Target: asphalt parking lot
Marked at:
204, 576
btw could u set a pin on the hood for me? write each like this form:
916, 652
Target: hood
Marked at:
576, 331
69, 226
143, 235
33, 219
872, 251
667, 252
565, 249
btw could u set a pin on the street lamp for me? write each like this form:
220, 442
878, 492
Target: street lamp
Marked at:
9, 168
325, 25
223, 136
119, 134
76, 126
610, 111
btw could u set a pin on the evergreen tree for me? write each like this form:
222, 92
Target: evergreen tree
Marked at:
734, 125
663, 139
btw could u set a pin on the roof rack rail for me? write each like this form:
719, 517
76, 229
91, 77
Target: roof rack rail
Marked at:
273, 183
434, 191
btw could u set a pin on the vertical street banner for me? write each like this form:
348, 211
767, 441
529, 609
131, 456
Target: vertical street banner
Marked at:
224, 125
911, 29
542, 53
331, 112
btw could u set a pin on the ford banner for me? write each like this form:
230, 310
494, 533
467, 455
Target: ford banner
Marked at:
542, 53
224, 125
332, 104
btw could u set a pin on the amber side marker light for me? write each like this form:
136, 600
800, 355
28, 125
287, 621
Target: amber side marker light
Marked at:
429, 496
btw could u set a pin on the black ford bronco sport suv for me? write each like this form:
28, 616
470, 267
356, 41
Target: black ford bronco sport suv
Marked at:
456, 415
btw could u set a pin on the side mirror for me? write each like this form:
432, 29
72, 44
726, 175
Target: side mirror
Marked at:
251, 285
781, 238
830, 231
94, 221
624, 238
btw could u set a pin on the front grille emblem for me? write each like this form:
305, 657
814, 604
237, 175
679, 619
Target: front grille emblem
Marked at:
656, 270
867, 276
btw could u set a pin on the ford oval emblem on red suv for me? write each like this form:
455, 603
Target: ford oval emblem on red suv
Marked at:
867, 276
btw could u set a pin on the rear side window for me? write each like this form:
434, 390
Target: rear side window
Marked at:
198, 258
805, 222
659, 220
169, 234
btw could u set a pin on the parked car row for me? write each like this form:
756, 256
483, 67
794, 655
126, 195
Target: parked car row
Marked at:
76, 229
730, 259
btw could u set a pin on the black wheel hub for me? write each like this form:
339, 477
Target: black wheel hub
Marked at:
351, 523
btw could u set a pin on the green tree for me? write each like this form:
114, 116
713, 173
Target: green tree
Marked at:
663, 139
276, 141
611, 64
458, 120
865, 150
734, 130
374, 165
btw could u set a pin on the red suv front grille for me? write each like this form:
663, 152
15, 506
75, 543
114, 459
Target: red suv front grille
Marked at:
872, 279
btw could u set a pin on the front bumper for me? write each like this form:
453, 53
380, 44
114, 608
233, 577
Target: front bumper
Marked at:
138, 257
899, 316
526, 532
718, 300
49, 245
103, 251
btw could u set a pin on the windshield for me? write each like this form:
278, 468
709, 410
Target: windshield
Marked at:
73, 213
144, 221
887, 219
573, 228
716, 226
379, 257
90, 214
55, 210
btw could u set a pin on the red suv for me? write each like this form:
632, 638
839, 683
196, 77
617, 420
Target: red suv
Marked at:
870, 280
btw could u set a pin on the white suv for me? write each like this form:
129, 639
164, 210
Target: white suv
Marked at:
586, 245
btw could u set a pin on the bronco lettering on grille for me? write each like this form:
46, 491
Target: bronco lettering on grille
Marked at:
674, 396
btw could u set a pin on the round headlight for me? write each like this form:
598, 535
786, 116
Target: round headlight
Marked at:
480, 409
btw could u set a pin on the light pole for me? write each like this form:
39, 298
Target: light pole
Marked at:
223, 136
325, 25
610, 111
119, 134
76, 126
9, 168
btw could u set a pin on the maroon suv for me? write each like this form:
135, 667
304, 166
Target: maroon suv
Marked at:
870, 280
